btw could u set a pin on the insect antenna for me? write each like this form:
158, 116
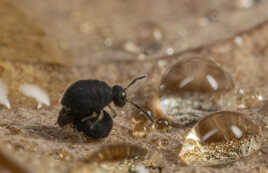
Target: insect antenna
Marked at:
135, 80
146, 113
134, 104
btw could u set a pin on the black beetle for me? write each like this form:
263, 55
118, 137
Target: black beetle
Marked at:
83, 103
96, 127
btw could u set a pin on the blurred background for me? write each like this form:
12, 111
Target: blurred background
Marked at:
88, 31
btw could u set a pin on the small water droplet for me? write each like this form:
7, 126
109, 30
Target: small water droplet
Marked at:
191, 89
61, 154
163, 143
141, 130
220, 138
116, 152
162, 125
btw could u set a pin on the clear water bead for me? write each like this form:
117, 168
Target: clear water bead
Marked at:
220, 138
190, 89
141, 130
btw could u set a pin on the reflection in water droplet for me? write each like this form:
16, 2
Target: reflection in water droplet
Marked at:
37, 93
209, 134
4, 95
186, 81
237, 131
213, 83
220, 138
191, 89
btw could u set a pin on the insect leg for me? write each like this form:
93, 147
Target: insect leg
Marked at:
114, 113
93, 115
100, 116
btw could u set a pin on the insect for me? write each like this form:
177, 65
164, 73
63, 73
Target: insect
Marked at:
84, 102
96, 128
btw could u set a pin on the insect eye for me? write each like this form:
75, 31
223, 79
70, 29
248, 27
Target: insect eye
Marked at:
123, 94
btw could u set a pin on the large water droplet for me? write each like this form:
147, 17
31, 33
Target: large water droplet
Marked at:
192, 88
220, 138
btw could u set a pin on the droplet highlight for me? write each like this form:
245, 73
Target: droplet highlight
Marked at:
37, 93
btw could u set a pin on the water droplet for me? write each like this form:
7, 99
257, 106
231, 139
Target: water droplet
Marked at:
37, 93
141, 130
162, 125
220, 138
61, 154
163, 143
117, 152
191, 89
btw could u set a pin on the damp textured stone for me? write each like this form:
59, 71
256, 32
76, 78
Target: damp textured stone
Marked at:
191, 89
220, 138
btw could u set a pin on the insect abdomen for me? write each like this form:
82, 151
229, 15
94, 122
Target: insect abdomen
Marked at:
87, 96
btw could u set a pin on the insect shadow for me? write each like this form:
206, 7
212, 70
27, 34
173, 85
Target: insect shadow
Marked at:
57, 134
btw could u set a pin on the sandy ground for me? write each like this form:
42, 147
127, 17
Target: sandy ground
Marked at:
51, 44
